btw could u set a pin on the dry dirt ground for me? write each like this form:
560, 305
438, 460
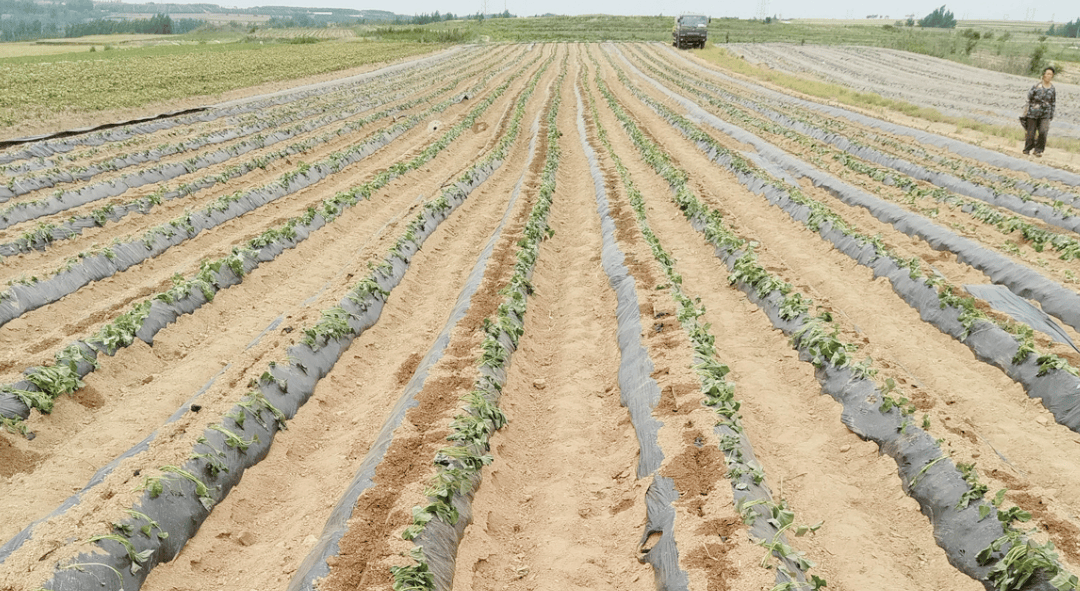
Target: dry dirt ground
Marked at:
561, 498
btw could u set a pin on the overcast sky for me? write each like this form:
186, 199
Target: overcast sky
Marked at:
1016, 10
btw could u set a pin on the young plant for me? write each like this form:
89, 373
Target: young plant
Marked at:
137, 558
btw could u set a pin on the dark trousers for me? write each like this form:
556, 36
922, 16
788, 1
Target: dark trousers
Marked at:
1040, 125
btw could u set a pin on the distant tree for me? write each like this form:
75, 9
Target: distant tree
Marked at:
939, 19
1071, 29
161, 24
80, 5
910, 22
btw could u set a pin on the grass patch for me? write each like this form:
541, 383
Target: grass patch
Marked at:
564, 28
417, 34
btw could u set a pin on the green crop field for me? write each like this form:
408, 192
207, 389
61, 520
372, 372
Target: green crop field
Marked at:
95, 81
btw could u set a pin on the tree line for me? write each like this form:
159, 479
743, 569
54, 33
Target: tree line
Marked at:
1070, 29
160, 24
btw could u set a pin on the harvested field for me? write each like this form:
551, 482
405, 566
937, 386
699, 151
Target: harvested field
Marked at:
955, 90
536, 316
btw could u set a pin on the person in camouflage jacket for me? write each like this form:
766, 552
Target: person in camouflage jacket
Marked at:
1040, 110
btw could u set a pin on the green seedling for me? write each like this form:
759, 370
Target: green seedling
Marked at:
201, 490
416, 577
14, 425
928, 465
150, 525
977, 490
137, 558
1022, 560
233, 440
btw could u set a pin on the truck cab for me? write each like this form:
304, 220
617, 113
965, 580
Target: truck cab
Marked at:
691, 30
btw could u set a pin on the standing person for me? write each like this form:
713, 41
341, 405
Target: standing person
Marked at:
1040, 110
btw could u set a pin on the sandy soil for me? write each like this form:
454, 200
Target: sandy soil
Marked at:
561, 506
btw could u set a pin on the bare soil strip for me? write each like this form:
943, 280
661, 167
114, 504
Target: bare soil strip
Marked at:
716, 547
547, 515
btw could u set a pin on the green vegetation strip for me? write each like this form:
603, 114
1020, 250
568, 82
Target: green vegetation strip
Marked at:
1012, 558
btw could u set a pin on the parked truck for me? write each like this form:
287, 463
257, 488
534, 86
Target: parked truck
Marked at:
691, 30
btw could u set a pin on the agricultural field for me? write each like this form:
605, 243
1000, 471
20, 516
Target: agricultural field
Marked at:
320, 34
955, 90
48, 93
536, 316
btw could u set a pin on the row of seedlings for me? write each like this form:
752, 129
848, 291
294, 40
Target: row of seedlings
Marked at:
316, 565
64, 200
989, 550
359, 97
855, 157
950, 173
79, 271
1020, 279
439, 525
176, 499
44, 234
66, 141
769, 520
1031, 169
45, 383
1005, 343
